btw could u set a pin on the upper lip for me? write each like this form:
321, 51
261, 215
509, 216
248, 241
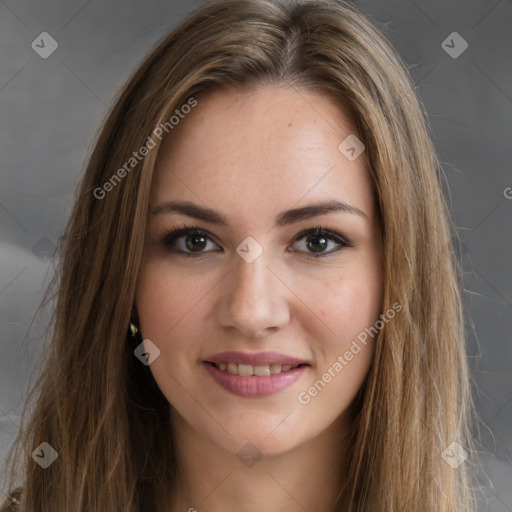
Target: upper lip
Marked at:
255, 359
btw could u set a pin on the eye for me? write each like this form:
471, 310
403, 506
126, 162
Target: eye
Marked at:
187, 241
318, 240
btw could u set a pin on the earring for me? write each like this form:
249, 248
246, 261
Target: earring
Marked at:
133, 329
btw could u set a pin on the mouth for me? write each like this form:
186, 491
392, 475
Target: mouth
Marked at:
254, 375
246, 370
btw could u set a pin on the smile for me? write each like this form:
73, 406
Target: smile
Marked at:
246, 370
254, 374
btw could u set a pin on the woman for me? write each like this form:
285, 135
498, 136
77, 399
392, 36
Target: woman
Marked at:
258, 304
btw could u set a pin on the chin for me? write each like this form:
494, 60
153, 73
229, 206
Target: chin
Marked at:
268, 434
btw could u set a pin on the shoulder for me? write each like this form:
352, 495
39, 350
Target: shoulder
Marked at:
11, 503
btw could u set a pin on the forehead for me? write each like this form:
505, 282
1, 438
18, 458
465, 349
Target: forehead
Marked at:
254, 148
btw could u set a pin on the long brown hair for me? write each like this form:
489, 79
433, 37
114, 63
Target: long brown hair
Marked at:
102, 411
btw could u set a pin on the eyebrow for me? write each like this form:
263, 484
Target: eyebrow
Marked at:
284, 218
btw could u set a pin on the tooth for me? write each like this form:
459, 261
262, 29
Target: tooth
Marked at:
261, 371
232, 368
245, 370
275, 368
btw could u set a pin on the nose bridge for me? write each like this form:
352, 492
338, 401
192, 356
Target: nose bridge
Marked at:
254, 299
252, 279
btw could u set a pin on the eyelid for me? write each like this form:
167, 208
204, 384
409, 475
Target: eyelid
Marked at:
320, 230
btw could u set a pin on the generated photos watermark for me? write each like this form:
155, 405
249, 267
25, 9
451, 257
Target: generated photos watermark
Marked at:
304, 397
45, 455
454, 455
146, 352
137, 156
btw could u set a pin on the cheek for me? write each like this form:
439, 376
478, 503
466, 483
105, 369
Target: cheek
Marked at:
345, 303
356, 304
167, 300
345, 351
170, 313
170, 310
348, 305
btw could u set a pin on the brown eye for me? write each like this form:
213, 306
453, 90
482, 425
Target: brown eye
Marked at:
195, 242
319, 242
188, 241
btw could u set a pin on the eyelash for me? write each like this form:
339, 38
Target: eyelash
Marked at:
168, 239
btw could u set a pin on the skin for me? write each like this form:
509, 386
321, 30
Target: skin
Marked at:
250, 154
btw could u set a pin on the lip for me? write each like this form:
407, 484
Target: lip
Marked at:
253, 385
256, 359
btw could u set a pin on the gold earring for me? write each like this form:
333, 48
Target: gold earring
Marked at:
133, 329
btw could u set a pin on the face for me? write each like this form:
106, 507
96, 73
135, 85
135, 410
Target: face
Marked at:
253, 310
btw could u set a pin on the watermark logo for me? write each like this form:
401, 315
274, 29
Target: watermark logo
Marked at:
44, 249
249, 249
454, 455
454, 45
351, 147
249, 455
45, 455
44, 45
147, 352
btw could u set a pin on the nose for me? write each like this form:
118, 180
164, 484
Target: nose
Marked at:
254, 300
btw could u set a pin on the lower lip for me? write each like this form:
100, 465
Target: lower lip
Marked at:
254, 385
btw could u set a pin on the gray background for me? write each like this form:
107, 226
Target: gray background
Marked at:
51, 109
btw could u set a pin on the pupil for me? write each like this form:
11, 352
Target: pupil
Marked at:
320, 246
191, 246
